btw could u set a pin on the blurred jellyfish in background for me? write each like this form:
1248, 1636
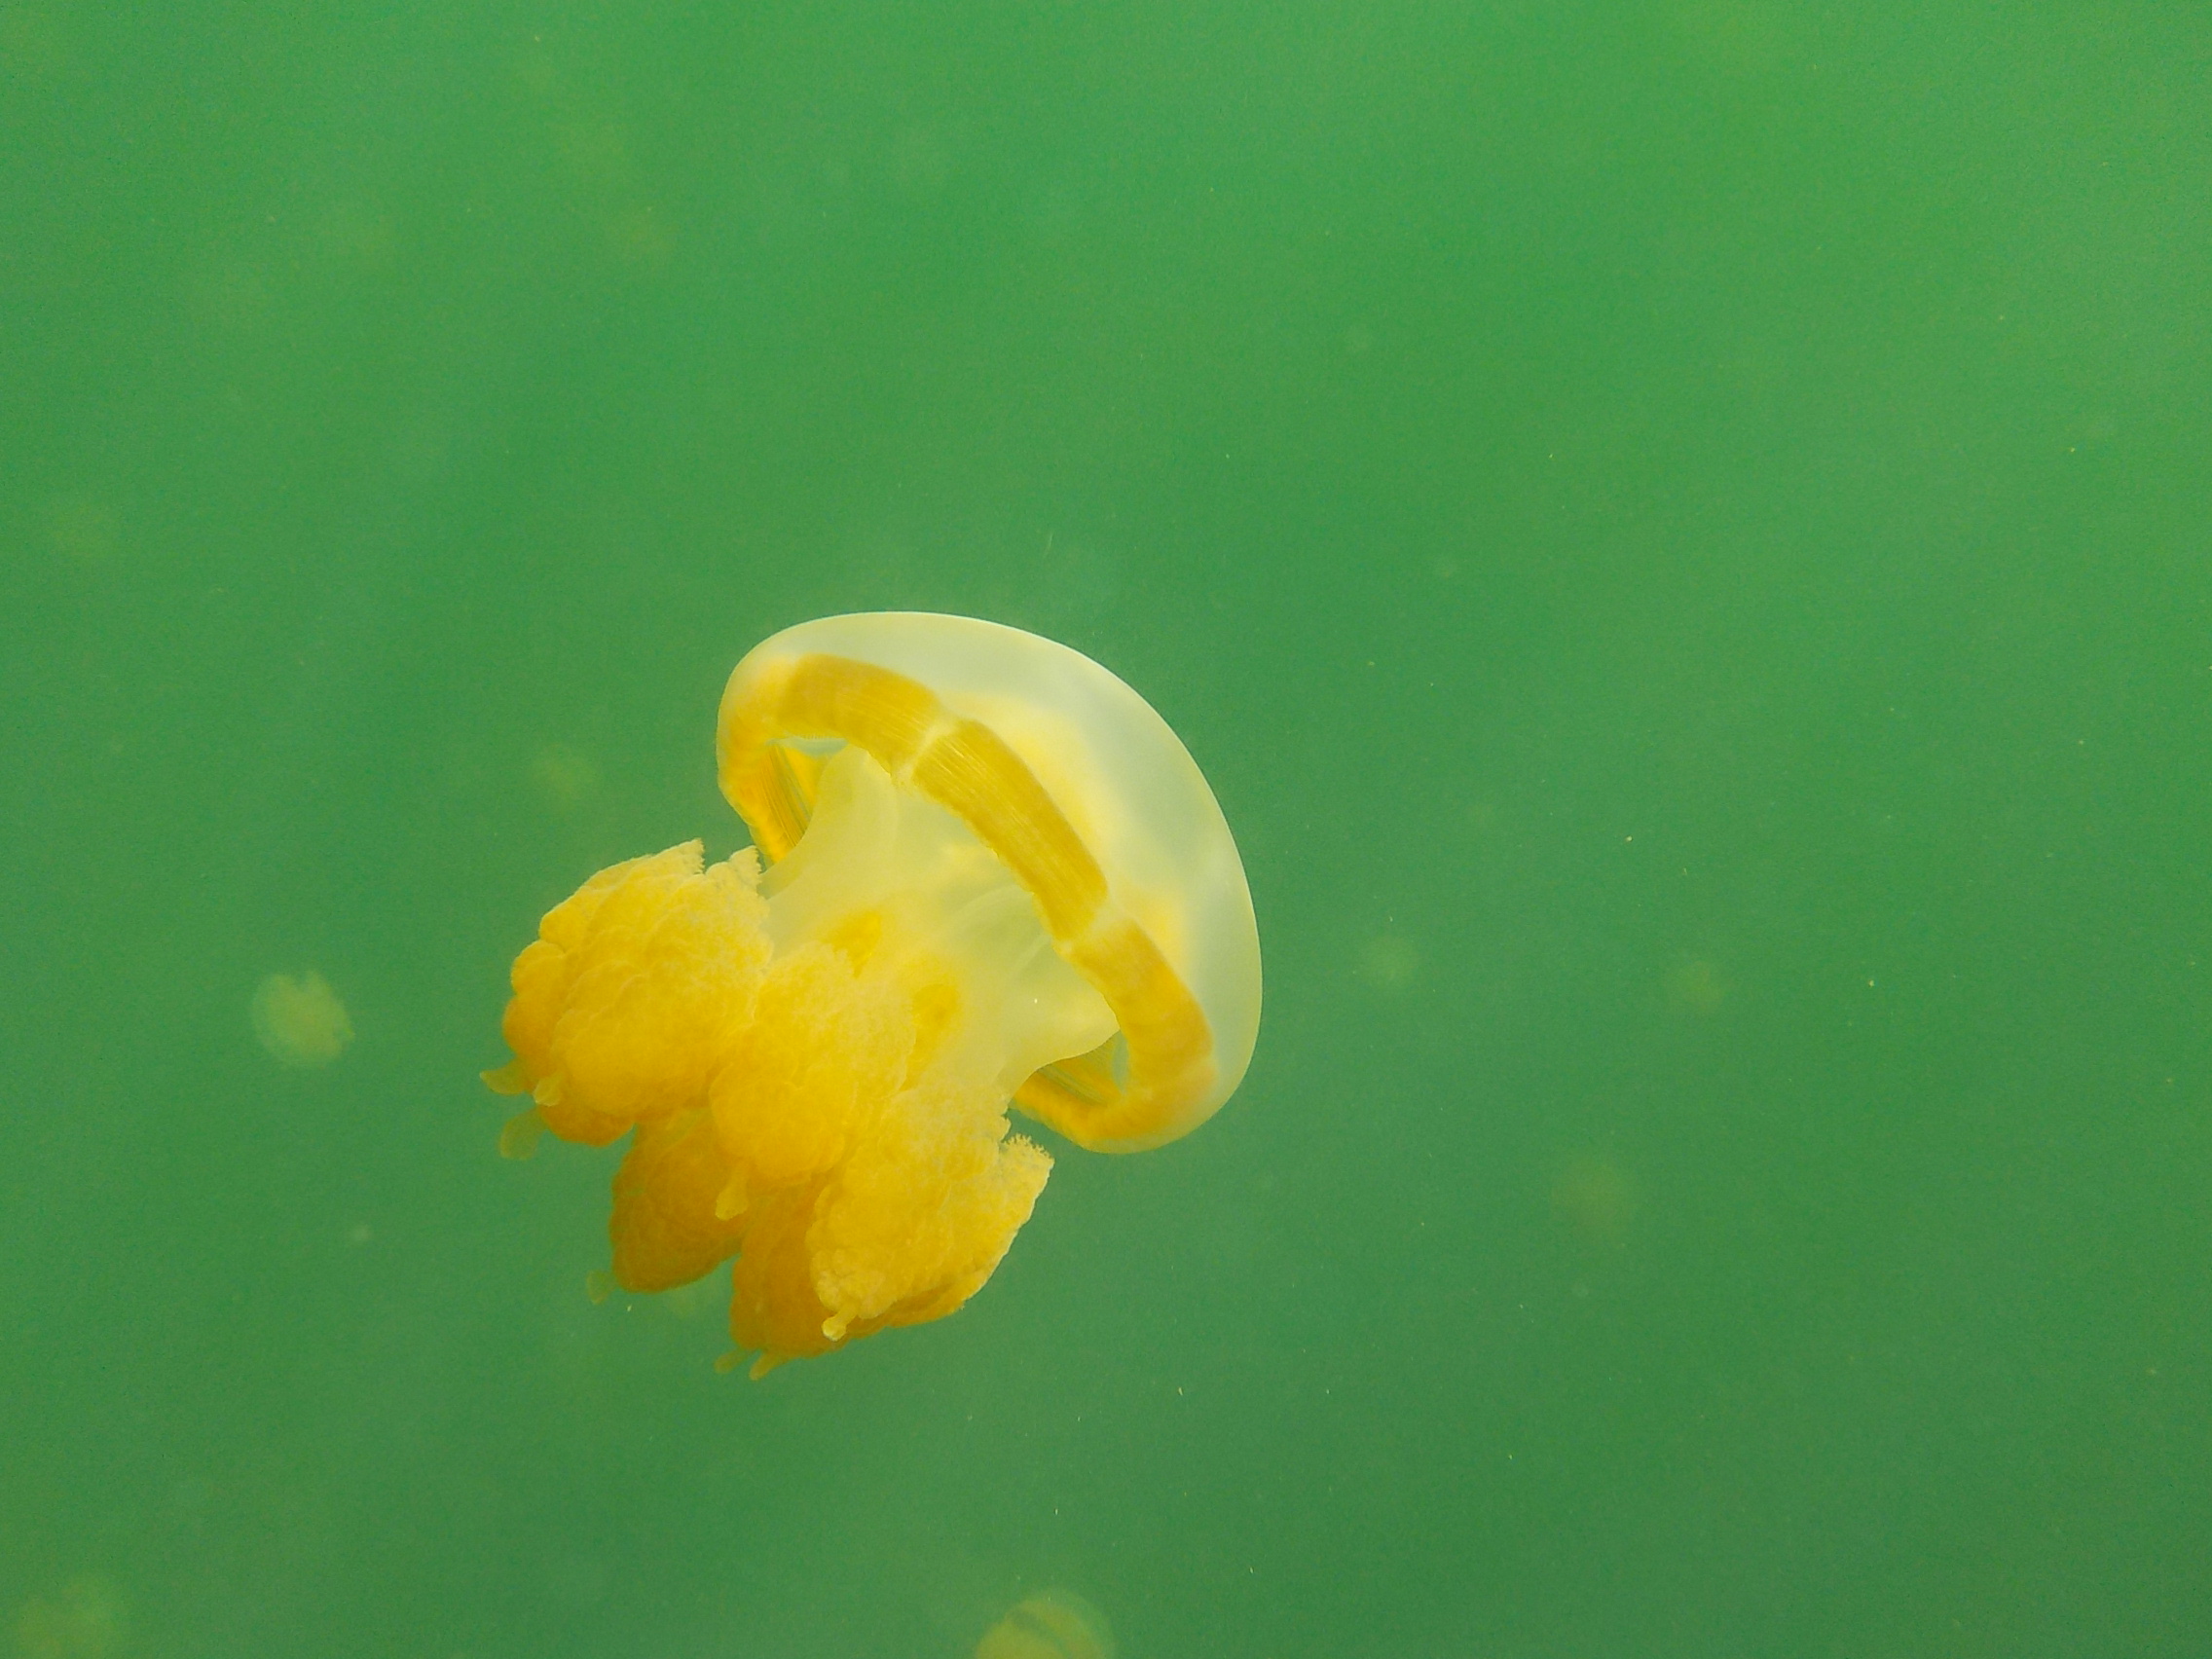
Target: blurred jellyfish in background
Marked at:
82, 528
563, 776
301, 1022
1696, 986
1596, 1199
84, 1619
1052, 1624
1387, 961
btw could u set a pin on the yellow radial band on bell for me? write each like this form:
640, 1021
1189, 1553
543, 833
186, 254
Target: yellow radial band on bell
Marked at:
969, 770
771, 785
966, 767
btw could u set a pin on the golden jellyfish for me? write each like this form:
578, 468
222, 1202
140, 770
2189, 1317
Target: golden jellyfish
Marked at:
1052, 1624
87, 1618
301, 1022
984, 872
1596, 1197
1695, 986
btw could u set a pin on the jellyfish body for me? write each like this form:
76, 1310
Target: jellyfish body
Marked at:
1052, 1624
984, 872
300, 1023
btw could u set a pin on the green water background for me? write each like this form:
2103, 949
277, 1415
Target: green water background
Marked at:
1678, 533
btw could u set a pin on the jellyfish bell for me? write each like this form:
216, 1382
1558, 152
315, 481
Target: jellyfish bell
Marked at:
87, 1618
985, 871
1052, 1624
1084, 795
299, 1022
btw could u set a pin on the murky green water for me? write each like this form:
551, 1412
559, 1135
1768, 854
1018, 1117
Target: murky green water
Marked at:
1679, 533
